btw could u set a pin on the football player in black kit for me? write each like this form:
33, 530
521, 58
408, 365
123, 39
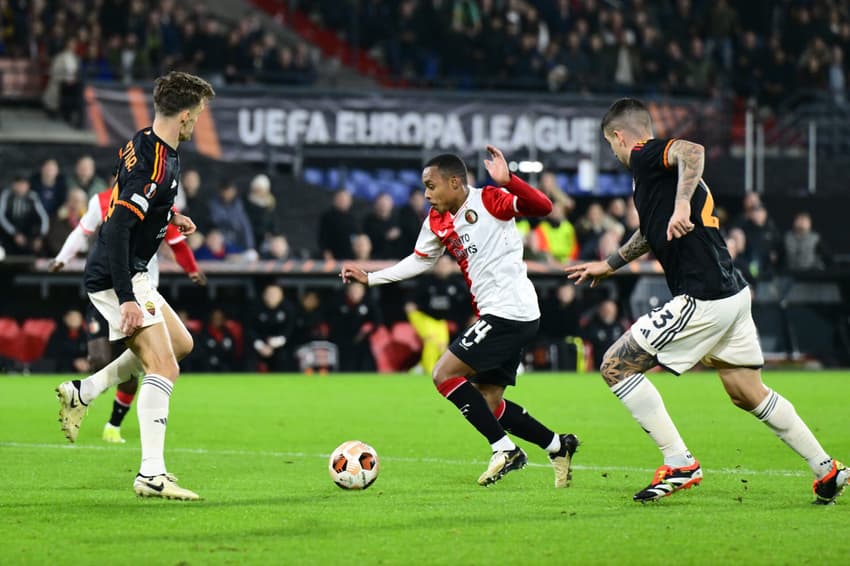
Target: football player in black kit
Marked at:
708, 319
116, 279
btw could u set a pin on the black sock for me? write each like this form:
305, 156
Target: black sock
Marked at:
518, 422
473, 406
119, 411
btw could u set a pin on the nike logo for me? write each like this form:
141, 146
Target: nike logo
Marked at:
74, 403
154, 486
442, 233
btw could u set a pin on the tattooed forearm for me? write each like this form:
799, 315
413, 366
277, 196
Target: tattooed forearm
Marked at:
624, 359
691, 160
635, 247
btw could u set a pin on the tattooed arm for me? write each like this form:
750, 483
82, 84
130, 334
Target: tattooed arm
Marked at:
596, 270
690, 158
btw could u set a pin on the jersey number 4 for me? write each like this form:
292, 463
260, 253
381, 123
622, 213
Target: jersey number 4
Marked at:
479, 329
709, 220
112, 198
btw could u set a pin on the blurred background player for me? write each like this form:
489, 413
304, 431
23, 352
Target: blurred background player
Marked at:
100, 351
477, 227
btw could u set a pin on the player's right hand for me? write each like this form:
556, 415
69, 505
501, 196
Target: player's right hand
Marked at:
351, 272
55, 266
595, 270
131, 317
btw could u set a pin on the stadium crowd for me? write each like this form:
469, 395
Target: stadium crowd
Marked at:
241, 224
758, 48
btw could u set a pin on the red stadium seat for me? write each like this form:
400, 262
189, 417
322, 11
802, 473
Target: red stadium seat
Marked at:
404, 333
194, 326
36, 333
10, 337
391, 354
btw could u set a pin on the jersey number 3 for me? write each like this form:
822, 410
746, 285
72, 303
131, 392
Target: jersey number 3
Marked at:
709, 220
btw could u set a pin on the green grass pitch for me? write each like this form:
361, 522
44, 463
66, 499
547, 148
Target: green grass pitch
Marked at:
255, 448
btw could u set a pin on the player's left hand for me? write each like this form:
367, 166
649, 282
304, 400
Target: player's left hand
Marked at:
680, 223
198, 278
497, 167
351, 272
184, 223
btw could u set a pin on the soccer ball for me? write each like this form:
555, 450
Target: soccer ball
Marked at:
354, 465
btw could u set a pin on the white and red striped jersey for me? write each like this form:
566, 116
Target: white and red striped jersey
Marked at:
483, 238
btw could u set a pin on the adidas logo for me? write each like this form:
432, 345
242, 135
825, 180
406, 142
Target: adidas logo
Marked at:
645, 332
163, 421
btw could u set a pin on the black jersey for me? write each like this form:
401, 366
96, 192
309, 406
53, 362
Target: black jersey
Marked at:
697, 264
140, 208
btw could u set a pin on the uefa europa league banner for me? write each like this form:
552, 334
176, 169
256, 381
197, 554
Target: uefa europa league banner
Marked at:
278, 125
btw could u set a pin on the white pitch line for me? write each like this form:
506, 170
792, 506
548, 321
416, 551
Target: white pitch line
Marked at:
273, 454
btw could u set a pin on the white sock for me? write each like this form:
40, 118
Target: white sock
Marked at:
152, 408
642, 399
554, 445
503, 444
779, 415
117, 371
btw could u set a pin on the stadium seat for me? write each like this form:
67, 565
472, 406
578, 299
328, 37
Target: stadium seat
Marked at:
10, 336
378, 342
36, 333
404, 333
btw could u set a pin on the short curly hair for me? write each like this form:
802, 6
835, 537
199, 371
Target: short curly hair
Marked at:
178, 91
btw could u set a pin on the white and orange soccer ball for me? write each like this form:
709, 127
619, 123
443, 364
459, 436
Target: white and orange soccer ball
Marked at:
354, 465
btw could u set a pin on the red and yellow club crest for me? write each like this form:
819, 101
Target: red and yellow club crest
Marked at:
149, 306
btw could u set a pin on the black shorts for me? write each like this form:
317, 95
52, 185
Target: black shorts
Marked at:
96, 325
493, 347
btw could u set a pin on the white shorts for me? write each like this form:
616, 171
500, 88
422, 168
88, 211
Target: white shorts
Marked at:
106, 302
686, 330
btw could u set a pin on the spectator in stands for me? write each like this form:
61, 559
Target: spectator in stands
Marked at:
219, 344
216, 248
260, 206
410, 219
591, 228
65, 220
804, 249
67, 346
227, 214
603, 330
49, 184
560, 328
631, 222
736, 244
23, 220
352, 318
85, 177
337, 227
560, 314
63, 95
195, 205
763, 242
276, 248
270, 331
555, 237
310, 319
384, 230
441, 307
361, 245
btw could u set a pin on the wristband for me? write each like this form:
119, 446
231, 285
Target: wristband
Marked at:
615, 261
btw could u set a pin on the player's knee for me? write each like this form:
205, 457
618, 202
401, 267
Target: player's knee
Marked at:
166, 366
183, 345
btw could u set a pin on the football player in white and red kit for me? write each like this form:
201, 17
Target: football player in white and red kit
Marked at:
100, 350
477, 228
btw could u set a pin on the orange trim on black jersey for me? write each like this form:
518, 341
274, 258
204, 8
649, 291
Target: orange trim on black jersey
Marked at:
664, 155
155, 161
159, 163
131, 207
639, 145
